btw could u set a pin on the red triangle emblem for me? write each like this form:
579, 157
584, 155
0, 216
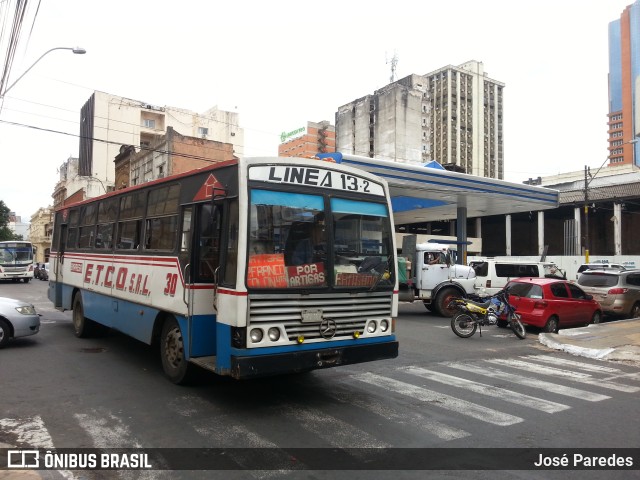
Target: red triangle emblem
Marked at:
209, 188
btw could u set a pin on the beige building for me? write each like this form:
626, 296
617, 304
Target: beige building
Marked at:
453, 115
40, 231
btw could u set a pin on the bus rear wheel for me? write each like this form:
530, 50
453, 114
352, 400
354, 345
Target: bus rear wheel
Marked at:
82, 327
174, 362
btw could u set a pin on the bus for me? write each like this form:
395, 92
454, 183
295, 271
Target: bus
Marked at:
248, 268
16, 261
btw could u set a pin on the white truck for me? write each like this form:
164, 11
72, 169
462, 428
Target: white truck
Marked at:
428, 272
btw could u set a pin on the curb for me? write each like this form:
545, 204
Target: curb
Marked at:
614, 341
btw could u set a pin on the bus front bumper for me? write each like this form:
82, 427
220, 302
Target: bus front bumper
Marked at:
295, 362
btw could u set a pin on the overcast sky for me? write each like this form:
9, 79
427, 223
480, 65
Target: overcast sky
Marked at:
280, 64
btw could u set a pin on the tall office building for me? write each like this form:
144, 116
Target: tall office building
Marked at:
624, 87
453, 115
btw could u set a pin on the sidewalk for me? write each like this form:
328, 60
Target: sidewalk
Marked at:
614, 340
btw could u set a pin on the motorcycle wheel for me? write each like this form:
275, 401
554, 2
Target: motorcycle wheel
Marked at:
463, 325
518, 327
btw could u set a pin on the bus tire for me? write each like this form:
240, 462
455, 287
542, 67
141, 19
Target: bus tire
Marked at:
82, 326
174, 362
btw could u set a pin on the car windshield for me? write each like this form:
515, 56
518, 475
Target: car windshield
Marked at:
598, 280
526, 290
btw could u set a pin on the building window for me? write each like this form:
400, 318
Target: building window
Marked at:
148, 123
203, 132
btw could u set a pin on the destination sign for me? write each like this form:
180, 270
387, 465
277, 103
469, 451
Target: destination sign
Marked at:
315, 177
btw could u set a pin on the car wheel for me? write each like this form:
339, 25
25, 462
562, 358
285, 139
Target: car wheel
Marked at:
552, 325
635, 311
26, 280
597, 318
5, 332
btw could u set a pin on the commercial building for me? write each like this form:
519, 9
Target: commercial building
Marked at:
453, 115
168, 154
624, 87
307, 141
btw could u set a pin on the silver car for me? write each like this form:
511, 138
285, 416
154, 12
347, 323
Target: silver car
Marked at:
617, 292
17, 319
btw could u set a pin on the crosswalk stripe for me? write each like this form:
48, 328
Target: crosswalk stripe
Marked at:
589, 367
529, 382
332, 429
489, 390
384, 410
575, 376
462, 407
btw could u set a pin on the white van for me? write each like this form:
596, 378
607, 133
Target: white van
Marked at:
493, 275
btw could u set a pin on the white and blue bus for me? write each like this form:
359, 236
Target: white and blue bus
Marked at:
248, 268
16, 261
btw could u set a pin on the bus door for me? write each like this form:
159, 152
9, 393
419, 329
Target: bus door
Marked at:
57, 270
201, 275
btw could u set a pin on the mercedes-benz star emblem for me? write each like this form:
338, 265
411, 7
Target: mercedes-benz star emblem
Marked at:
328, 328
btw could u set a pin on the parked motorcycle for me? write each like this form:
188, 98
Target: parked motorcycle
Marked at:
472, 315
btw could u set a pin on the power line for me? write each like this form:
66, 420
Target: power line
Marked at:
94, 139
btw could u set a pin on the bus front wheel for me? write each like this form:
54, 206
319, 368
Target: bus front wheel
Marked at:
174, 363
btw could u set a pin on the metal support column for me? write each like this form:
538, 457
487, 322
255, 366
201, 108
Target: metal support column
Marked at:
507, 219
617, 228
540, 233
461, 232
578, 230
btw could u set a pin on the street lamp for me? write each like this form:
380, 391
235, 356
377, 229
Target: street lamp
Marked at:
76, 50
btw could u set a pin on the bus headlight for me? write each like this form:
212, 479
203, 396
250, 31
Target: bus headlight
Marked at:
256, 335
384, 325
372, 326
274, 334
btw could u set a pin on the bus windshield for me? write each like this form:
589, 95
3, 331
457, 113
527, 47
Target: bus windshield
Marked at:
16, 253
295, 241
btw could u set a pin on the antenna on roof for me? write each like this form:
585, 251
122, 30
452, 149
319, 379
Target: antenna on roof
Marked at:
393, 62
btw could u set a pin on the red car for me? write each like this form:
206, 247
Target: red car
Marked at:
552, 303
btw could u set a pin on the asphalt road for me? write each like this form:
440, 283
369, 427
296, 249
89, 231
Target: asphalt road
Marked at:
444, 392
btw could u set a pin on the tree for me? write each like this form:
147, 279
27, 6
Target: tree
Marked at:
5, 231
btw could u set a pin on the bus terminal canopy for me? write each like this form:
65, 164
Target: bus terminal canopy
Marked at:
430, 193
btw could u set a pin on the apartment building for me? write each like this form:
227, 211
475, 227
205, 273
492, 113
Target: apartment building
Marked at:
453, 115
108, 122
